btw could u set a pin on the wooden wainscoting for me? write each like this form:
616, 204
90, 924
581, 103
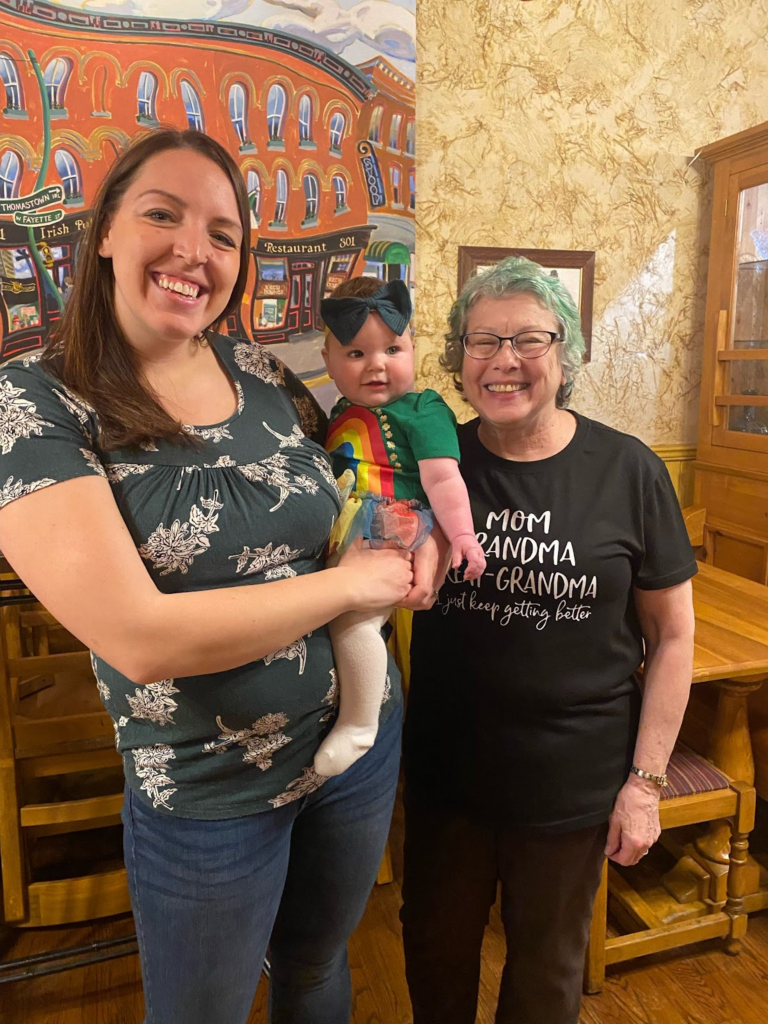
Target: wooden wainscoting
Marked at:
736, 500
679, 461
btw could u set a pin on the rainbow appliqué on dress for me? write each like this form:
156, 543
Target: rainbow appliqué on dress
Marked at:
356, 436
371, 511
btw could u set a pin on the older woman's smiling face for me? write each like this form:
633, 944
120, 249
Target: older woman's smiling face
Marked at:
510, 393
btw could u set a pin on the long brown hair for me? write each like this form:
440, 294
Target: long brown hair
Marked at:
89, 352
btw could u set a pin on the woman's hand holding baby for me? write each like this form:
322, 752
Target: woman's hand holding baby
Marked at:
377, 579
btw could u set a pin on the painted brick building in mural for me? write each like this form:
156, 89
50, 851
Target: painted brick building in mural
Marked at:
287, 110
388, 122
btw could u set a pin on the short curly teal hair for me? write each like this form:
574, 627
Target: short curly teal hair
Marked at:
518, 276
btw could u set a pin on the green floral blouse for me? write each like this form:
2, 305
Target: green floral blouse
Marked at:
254, 503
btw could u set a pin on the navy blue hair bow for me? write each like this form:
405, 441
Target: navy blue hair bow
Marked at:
344, 317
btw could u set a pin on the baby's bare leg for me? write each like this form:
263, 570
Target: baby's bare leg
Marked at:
361, 663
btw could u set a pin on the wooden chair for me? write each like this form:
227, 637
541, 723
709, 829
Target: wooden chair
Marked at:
695, 520
59, 775
697, 793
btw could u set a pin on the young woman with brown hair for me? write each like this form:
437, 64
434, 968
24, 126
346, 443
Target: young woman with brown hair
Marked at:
168, 498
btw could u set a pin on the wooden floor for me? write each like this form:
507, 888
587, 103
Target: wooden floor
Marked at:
700, 985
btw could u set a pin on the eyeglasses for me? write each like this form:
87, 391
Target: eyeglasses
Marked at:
527, 344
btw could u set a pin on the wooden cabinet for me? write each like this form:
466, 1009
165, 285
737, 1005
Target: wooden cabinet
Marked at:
731, 468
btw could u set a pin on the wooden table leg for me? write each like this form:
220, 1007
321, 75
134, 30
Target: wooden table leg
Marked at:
730, 745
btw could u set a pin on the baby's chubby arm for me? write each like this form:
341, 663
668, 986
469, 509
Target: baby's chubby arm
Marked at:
449, 500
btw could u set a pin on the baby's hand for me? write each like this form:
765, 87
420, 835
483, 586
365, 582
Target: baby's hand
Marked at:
466, 548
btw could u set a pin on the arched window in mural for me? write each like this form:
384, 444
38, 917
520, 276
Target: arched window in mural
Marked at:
253, 184
305, 118
10, 174
340, 192
192, 107
311, 196
394, 131
69, 172
146, 96
99, 91
56, 76
338, 124
374, 132
394, 177
238, 112
276, 102
410, 138
412, 189
10, 79
281, 197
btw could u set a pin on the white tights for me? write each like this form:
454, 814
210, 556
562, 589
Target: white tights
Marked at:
361, 663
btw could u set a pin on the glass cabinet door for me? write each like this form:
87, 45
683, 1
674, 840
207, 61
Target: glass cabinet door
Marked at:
743, 381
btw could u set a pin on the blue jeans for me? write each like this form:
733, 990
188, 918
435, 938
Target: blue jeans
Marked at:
210, 896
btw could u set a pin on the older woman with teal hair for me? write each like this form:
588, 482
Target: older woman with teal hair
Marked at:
531, 751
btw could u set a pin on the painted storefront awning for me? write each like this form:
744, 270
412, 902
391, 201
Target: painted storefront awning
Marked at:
388, 252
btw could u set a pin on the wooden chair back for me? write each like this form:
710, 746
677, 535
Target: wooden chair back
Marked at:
695, 523
59, 774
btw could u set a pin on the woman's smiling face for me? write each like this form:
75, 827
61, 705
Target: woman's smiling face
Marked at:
506, 391
174, 242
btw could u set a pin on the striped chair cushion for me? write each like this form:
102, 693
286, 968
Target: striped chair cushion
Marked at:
689, 773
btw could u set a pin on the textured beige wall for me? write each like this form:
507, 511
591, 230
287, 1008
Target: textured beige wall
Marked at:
571, 124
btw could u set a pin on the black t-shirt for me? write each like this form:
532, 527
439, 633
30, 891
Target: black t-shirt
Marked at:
524, 703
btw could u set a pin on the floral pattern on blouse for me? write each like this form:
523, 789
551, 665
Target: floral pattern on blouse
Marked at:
154, 702
296, 649
18, 416
272, 561
13, 489
177, 546
257, 360
82, 412
252, 503
151, 768
261, 740
332, 697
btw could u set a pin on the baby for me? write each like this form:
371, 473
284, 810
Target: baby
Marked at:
397, 449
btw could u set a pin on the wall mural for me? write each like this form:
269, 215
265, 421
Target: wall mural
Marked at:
313, 98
